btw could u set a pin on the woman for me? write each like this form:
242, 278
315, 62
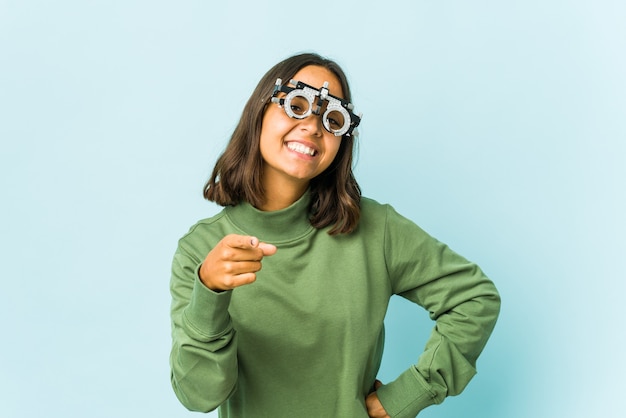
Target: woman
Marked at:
278, 301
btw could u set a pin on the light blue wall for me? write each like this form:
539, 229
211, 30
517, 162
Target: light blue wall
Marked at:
499, 127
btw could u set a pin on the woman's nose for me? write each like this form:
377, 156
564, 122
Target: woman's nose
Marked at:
312, 123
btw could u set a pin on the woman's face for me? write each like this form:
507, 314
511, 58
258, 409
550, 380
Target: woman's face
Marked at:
295, 151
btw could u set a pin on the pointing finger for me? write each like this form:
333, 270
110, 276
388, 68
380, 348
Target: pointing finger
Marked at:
268, 249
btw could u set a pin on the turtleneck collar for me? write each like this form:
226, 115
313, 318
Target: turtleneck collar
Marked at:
276, 226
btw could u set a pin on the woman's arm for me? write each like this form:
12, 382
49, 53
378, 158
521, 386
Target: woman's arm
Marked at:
461, 300
204, 351
203, 359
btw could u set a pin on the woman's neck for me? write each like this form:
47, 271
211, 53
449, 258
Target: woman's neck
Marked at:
281, 196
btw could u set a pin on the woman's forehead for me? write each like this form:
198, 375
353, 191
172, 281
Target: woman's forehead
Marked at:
315, 76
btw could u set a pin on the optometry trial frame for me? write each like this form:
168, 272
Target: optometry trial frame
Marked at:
302, 100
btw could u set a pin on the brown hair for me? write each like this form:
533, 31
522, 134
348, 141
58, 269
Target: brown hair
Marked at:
236, 177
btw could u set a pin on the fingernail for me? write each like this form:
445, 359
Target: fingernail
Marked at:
253, 241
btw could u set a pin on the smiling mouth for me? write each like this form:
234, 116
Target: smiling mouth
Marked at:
302, 149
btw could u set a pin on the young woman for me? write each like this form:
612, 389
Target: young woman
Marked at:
278, 301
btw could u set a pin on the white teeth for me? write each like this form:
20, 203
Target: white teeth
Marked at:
302, 149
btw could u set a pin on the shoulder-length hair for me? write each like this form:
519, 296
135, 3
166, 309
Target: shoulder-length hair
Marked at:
236, 177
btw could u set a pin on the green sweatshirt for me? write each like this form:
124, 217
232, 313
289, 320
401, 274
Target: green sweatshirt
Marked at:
306, 338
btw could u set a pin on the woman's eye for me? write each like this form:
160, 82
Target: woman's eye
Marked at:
335, 120
335, 123
299, 105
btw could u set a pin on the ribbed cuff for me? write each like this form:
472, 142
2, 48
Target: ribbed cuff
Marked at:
406, 396
206, 316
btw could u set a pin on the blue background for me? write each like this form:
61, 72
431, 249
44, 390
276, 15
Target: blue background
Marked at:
499, 127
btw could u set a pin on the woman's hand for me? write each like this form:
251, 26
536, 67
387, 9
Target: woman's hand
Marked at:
234, 262
374, 407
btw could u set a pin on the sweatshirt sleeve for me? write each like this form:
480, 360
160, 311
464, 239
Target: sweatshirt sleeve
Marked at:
461, 300
203, 359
